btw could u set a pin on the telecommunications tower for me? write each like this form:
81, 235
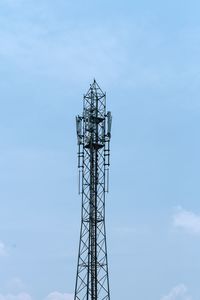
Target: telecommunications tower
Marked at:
93, 133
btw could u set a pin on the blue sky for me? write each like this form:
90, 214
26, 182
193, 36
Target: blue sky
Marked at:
145, 55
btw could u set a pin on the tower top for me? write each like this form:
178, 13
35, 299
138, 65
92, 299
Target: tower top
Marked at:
95, 90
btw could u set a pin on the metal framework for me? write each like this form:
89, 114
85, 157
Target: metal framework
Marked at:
93, 133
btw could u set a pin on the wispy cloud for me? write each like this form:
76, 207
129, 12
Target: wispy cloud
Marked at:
180, 292
11, 3
187, 220
3, 250
21, 296
71, 54
59, 296
130, 230
26, 296
15, 285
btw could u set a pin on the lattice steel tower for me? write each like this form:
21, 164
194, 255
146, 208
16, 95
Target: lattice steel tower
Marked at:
94, 133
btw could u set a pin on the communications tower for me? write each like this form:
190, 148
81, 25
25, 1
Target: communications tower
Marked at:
93, 133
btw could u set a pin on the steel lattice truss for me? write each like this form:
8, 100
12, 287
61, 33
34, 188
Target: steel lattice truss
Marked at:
93, 132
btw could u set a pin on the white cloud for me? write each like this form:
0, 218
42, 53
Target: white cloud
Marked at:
187, 220
180, 292
3, 251
59, 296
